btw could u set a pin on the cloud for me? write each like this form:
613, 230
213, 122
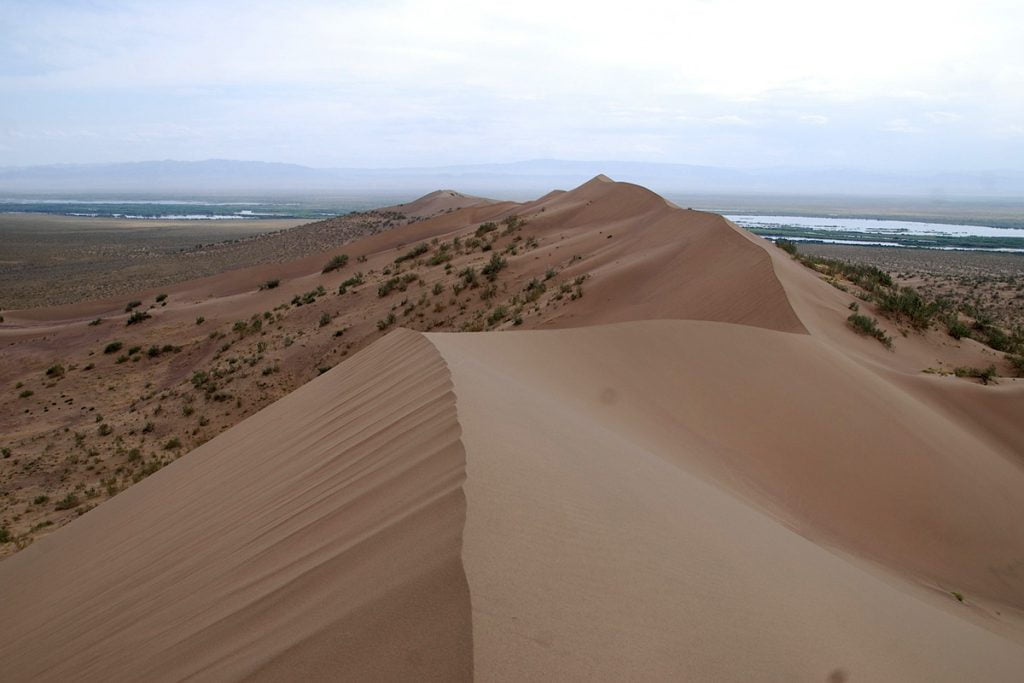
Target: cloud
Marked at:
359, 82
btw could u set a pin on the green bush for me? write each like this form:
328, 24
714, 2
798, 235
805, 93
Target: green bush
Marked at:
132, 304
905, 302
161, 297
485, 228
786, 246
113, 347
416, 251
271, 284
862, 324
67, 502
335, 263
353, 281
986, 375
137, 317
493, 267
55, 370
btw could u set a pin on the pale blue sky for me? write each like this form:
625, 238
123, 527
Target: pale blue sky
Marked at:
904, 85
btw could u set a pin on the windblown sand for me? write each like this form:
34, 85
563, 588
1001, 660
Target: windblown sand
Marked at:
696, 471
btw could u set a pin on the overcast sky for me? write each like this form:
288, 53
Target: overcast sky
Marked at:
870, 84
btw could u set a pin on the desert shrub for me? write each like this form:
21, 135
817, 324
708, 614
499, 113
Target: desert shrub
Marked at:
104, 429
497, 315
534, 289
336, 262
55, 370
25, 393
172, 443
132, 304
905, 302
415, 252
200, 320
986, 375
353, 281
386, 322
95, 322
160, 298
137, 317
134, 350
270, 284
512, 223
955, 328
1017, 361
862, 324
786, 246
113, 347
67, 502
5, 535
485, 228
493, 267
325, 319
41, 500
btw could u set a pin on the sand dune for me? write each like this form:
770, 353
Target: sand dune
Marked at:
695, 472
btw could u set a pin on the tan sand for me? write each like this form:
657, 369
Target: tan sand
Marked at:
701, 475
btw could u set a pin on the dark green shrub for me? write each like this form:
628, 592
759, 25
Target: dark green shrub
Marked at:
172, 443
67, 502
113, 347
95, 322
862, 324
485, 228
416, 251
493, 267
137, 317
986, 375
353, 281
161, 297
271, 284
335, 263
786, 246
132, 304
325, 319
55, 370
905, 302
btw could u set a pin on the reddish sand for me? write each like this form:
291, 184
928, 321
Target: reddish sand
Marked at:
702, 474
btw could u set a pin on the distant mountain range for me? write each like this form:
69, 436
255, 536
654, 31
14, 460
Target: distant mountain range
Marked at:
519, 179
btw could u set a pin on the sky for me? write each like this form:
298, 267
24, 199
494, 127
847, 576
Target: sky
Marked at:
886, 85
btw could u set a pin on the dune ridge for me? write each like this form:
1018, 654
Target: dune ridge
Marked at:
326, 529
694, 472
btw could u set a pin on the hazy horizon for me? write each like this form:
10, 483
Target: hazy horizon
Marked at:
910, 87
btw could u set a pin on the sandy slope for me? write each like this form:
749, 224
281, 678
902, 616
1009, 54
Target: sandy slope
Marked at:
703, 476
324, 530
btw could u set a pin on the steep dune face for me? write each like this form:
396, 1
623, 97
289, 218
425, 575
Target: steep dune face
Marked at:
663, 522
322, 533
649, 259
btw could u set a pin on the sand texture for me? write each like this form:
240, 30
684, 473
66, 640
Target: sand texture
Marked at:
696, 471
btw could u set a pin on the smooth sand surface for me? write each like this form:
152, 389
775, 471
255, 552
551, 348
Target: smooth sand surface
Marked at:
699, 473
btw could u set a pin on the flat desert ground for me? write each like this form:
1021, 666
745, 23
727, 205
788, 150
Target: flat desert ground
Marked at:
594, 436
